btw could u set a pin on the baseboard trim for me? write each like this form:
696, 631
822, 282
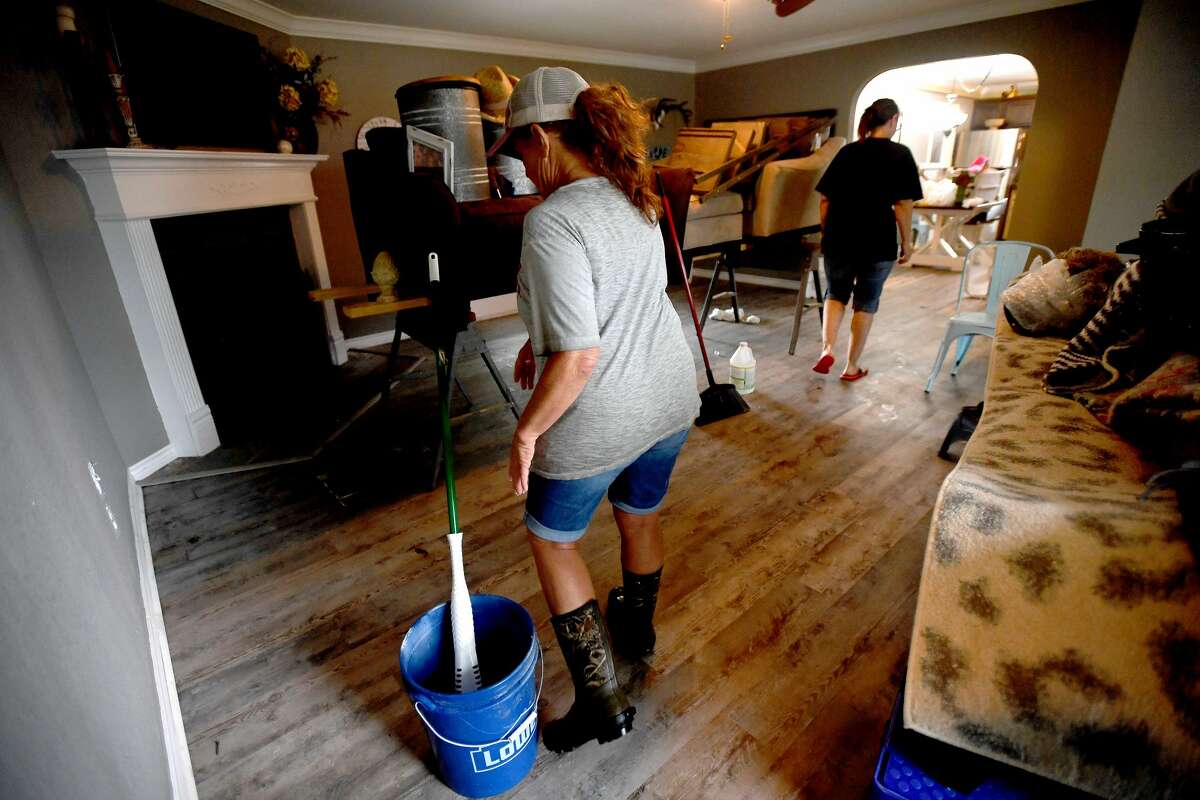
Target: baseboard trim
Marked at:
370, 340
179, 760
152, 463
753, 280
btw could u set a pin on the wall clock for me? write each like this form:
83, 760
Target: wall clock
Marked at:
374, 122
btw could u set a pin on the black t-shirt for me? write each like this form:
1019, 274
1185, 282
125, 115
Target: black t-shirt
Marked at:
864, 181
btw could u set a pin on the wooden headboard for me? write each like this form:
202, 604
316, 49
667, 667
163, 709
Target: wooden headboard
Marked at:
820, 112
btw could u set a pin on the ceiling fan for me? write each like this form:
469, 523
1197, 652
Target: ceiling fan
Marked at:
782, 9
785, 7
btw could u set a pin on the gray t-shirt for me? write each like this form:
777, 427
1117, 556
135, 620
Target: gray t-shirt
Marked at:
593, 275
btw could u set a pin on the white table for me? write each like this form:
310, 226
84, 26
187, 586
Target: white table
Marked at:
946, 245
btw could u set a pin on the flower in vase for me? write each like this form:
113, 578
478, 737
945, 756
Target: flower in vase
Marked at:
327, 92
296, 58
289, 98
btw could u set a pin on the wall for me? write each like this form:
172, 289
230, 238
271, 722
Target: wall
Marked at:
38, 118
78, 709
1079, 52
1152, 143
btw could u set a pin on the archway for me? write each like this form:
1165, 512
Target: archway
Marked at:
954, 114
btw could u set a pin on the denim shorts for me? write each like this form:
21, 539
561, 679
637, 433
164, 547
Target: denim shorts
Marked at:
559, 511
863, 279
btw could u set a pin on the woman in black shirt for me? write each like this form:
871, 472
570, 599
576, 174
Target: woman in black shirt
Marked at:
867, 192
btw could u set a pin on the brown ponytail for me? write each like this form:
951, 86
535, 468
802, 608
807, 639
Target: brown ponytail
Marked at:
610, 129
878, 113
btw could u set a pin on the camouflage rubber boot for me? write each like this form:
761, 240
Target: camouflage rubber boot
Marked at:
631, 613
600, 710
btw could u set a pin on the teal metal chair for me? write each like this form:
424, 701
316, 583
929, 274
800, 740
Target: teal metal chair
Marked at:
1009, 260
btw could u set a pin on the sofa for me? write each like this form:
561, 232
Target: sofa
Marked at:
784, 199
1058, 616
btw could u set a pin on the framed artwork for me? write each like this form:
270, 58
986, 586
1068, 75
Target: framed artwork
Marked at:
428, 152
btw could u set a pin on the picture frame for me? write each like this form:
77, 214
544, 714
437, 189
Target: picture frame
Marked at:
430, 152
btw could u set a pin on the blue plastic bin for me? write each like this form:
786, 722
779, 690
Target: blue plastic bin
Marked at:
911, 766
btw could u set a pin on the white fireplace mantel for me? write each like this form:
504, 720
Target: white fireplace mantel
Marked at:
128, 188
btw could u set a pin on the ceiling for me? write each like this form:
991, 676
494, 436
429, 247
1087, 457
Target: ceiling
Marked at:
680, 35
959, 74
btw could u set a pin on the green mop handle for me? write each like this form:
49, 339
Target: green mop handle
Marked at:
443, 377
467, 677
443, 374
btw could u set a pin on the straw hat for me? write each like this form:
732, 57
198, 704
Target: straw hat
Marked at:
496, 87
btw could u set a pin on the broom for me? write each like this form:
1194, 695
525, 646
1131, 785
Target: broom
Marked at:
720, 400
462, 622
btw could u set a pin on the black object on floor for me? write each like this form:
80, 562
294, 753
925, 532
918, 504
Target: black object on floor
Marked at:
961, 430
720, 400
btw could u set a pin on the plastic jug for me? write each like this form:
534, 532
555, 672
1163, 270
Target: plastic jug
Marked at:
741, 368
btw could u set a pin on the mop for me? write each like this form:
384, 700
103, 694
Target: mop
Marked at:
462, 622
720, 400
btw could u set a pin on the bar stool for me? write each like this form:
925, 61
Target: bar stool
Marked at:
802, 301
725, 262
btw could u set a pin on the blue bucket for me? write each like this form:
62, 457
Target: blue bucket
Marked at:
485, 741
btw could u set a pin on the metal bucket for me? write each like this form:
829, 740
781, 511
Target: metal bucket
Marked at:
449, 107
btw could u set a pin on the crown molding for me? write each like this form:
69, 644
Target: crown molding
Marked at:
322, 28
978, 12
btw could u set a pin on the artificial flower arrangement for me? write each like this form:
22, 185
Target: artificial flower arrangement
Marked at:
303, 99
964, 179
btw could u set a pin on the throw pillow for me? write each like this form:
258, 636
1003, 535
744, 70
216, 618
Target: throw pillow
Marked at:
1060, 298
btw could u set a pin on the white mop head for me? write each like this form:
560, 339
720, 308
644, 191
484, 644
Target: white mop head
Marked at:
462, 622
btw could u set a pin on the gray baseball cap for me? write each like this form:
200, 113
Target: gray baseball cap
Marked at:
545, 95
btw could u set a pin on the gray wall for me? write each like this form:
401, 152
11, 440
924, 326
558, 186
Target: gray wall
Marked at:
37, 119
1153, 142
1079, 52
78, 710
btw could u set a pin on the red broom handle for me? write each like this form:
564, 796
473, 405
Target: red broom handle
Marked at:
687, 286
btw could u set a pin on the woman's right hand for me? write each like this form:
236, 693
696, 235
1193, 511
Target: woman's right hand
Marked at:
525, 368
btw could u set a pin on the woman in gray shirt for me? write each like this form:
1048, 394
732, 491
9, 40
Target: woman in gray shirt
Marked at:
616, 394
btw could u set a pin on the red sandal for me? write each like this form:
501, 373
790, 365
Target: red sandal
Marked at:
823, 364
851, 378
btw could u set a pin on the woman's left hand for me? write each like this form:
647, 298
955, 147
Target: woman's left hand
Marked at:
519, 459
525, 367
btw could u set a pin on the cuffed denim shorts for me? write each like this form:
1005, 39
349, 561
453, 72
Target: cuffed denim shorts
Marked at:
862, 279
559, 511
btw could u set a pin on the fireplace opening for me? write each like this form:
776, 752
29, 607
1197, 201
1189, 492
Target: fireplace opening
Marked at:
256, 341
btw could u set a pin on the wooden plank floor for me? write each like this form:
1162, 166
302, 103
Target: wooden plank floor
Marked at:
795, 536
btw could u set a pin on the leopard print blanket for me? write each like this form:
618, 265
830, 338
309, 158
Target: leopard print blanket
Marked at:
1058, 617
